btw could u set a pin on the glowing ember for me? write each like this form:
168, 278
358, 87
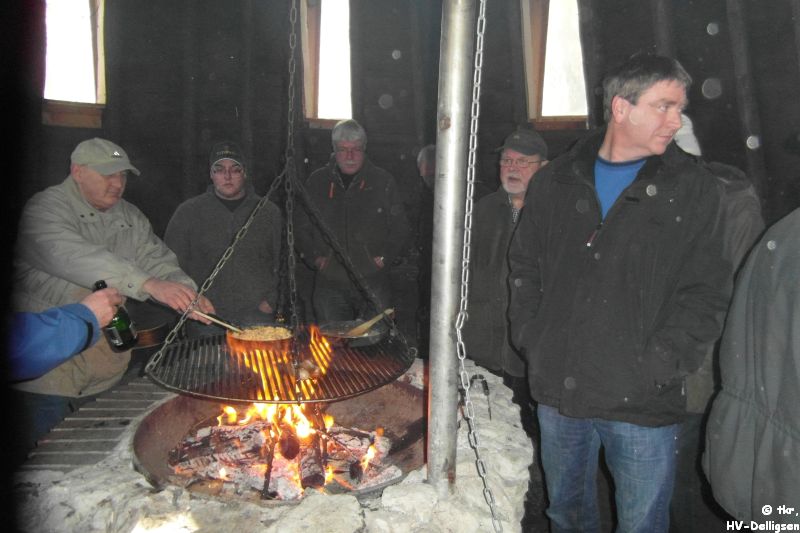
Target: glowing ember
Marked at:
280, 450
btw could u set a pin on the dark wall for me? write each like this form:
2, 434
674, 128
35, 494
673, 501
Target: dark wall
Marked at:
185, 73
705, 40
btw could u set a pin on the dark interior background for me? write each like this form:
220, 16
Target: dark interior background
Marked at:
182, 74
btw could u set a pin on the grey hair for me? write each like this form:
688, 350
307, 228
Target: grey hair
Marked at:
348, 130
427, 155
638, 74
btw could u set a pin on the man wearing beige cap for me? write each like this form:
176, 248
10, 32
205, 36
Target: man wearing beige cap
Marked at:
70, 236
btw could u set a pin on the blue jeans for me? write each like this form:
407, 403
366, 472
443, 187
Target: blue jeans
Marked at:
641, 461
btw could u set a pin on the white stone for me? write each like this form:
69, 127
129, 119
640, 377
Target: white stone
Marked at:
332, 514
112, 497
416, 500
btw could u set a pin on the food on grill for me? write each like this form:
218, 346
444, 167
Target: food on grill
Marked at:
263, 333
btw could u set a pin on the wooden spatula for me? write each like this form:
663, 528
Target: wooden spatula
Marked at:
364, 327
218, 320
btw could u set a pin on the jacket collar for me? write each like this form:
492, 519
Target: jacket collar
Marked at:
83, 209
337, 175
577, 166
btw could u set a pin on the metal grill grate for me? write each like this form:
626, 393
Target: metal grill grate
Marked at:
208, 368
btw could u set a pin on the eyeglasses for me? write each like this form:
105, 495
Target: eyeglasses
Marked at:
521, 163
235, 170
343, 150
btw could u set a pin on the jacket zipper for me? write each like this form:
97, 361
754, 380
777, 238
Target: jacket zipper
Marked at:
593, 235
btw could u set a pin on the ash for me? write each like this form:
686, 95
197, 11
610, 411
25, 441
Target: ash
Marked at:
238, 456
111, 496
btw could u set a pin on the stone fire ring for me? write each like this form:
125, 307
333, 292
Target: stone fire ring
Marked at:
398, 408
111, 496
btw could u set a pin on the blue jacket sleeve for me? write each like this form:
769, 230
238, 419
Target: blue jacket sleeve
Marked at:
39, 342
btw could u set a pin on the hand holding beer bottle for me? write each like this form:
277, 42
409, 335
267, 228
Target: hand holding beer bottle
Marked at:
120, 332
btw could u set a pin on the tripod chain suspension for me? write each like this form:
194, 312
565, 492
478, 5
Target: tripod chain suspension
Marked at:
469, 410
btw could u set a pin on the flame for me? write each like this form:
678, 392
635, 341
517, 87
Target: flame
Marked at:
368, 457
223, 474
284, 376
280, 373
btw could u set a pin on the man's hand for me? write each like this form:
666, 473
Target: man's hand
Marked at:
378, 261
103, 304
177, 296
264, 307
321, 263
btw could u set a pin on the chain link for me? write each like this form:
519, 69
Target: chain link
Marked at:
291, 172
291, 187
281, 178
469, 408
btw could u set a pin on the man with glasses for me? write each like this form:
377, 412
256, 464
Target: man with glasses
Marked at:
523, 154
202, 228
360, 205
619, 285
70, 236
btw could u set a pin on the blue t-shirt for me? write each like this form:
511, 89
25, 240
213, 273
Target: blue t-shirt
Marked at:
610, 179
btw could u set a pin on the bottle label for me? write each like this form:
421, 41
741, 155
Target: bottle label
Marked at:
116, 338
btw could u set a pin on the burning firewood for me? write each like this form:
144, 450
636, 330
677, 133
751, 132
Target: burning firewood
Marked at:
269, 457
312, 471
280, 455
288, 444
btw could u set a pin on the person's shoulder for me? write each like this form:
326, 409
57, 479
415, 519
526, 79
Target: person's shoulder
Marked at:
323, 173
130, 211
268, 209
54, 194
203, 198
494, 198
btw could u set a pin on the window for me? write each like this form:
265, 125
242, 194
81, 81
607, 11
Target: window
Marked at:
553, 63
326, 59
74, 66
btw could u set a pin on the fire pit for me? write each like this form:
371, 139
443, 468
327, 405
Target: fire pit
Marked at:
112, 497
397, 408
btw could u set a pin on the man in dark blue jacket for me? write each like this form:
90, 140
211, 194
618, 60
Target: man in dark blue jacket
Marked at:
618, 286
39, 342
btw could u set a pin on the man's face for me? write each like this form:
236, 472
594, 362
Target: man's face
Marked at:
349, 156
228, 178
513, 176
102, 192
648, 127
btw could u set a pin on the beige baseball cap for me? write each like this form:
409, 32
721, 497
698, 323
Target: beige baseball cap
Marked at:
102, 156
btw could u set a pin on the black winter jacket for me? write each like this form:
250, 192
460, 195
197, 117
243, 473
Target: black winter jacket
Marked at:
486, 331
613, 315
367, 218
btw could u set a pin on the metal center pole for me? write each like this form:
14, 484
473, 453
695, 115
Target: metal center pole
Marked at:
452, 140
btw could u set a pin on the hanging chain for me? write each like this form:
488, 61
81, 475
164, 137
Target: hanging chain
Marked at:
352, 272
291, 172
281, 178
469, 409
210, 280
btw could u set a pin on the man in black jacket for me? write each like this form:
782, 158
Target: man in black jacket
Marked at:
618, 285
361, 208
522, 155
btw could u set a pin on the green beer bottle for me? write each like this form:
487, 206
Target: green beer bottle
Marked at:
120, 332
